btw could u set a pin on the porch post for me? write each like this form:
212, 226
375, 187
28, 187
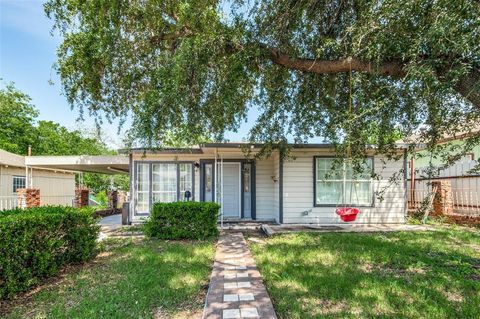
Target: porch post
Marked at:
221, 190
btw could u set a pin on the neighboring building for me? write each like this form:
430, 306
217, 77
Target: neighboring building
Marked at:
294, 190
424, 160
463, 183
56, 187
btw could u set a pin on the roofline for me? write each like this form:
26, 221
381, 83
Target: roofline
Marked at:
199, 150
169, 150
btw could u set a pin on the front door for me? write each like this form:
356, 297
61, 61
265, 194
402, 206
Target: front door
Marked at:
231, 190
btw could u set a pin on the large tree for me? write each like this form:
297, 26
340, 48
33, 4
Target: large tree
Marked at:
350, 71
17, 119
20, 128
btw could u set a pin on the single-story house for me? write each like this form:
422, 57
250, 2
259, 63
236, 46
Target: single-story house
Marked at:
57, 187
299, 189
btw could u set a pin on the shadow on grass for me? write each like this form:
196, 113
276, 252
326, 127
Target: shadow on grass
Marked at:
395, 275
142, 279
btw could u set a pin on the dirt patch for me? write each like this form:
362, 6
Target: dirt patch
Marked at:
391, 271
23, 299
191, 310
300, 228
322, 307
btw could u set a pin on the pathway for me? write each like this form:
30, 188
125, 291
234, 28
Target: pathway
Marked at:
236, 288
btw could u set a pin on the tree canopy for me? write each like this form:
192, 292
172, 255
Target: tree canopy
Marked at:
351, 71
20, 127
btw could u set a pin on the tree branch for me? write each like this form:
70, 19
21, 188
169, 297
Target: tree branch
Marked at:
184, 32
336, 66
469, 87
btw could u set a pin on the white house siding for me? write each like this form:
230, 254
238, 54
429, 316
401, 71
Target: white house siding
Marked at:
265, 190
6, 179
298, 193
56, 188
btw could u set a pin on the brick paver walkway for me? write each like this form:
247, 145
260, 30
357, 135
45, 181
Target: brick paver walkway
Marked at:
236, 288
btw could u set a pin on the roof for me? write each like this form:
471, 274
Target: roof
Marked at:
104, 164
10, 159
473, 130
167, 150
199, 149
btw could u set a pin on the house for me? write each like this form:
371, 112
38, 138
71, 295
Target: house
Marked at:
57, 187
422, 161
298, 189
458, 181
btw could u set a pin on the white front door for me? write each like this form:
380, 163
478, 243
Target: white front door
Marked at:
231, 189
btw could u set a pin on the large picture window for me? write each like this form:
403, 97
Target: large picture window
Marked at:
339, 185
161, 182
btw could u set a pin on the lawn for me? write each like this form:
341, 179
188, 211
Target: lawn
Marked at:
141, 279
384, 275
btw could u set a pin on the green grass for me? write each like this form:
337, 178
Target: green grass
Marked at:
385, 275
143, 279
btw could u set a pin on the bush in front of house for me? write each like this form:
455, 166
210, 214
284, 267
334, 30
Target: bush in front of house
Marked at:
183, 220
36, 242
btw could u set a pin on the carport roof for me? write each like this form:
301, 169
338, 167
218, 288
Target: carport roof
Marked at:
104, 164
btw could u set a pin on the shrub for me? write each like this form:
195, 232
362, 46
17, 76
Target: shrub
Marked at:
35, 243
102, 198
183, 220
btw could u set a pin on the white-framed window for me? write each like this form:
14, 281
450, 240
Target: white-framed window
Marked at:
164, 182
161, 182
186, 180
142, 188
18, 182
339, 185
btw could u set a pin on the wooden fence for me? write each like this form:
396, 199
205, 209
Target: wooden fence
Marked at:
465, 194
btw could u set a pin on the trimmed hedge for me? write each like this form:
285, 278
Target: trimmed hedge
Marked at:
183, 220
36, 242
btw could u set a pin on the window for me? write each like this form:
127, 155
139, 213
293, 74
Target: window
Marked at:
208, 171
18, 182
340, 185
143, 188
164, 183
186, 181
161, 182
247, 190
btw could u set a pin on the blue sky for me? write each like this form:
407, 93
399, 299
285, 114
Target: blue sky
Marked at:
27, 56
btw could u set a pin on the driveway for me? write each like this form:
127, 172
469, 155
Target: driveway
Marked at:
113, 220
108, 225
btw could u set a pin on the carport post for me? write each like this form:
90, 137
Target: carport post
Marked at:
221, 190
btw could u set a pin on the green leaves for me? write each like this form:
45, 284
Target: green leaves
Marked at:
35, 243
17, 117
203, 64
183, 220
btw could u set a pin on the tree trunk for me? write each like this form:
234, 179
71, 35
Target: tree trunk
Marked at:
469, 87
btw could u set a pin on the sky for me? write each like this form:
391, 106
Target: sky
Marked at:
27, 57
